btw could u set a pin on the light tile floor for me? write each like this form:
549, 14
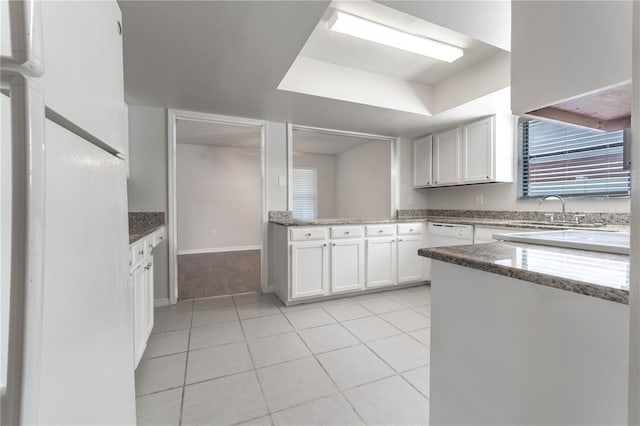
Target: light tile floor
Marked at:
248, 359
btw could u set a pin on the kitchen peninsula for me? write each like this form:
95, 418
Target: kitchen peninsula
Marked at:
537, 335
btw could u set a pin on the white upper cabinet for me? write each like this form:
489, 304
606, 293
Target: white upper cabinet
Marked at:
563, 49
83, 79
422, 161
488, 147
477, 151
446, 157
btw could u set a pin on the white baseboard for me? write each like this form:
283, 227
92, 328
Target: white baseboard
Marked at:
161, 302
220, 249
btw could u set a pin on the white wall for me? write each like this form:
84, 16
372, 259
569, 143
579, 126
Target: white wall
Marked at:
326, 166
408, 197
363, 176
561, 49
147, 184
276, 156
218, 197
503, 196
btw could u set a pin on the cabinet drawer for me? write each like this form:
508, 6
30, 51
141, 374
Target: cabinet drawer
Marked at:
138, 251
346, 232
380, 230
409, 228
308, 234
159, 236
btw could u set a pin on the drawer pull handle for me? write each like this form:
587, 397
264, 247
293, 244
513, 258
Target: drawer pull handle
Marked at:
148, 266
161, 238
411, 230
346, 233
141, 252
308, 234
325, 244
399, 239
334, 244
380, 231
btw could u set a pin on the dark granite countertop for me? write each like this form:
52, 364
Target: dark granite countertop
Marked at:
501, 223
142, 224
595, 274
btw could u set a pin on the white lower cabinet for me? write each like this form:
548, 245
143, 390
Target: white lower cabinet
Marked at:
410, 265
381, 261
141, 290
137, 283
316, 261
309, 269
347, 265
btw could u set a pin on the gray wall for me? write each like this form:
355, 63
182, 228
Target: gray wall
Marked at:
363, 178
326, 166
218, 191
147, 184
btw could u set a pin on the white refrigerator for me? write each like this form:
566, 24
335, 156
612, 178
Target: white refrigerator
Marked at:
66, 309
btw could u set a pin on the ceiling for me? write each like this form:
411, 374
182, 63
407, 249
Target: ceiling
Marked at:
228, 57
214, 134
313, 142
340, 49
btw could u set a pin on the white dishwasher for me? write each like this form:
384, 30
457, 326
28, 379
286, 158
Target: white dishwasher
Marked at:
445, 234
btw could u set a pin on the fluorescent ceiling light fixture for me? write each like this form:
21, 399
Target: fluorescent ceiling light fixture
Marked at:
357, 27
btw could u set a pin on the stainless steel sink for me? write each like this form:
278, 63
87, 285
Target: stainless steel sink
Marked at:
562, 224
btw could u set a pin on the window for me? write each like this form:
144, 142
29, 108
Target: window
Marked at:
567, 160
305, 193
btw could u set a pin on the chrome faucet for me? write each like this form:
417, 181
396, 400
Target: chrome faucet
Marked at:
557, 197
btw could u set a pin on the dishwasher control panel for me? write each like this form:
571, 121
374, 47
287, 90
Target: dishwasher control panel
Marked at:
445, 234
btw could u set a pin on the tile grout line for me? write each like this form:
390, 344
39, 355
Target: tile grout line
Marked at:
299, 335
253, 363
315, 356
186, 367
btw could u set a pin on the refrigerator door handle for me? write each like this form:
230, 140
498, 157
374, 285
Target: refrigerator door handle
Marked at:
25, 20
26, 265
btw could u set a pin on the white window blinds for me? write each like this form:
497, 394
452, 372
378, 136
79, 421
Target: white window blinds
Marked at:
305, 193
567, 160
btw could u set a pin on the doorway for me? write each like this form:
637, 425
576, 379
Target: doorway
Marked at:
218, 220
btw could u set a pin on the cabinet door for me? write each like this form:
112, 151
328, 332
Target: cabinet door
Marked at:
83, 79
139, 312
422, 161
149, 297
477, 151
381, 262
309, 269
410, 265
446, 158
347, 265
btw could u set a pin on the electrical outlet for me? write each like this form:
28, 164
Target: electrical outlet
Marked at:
411, 200
479, 199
